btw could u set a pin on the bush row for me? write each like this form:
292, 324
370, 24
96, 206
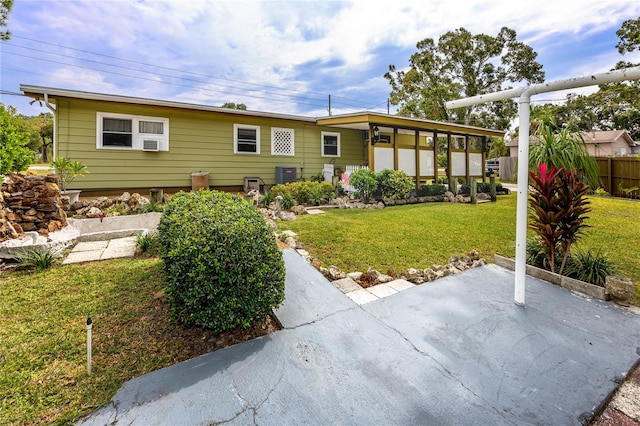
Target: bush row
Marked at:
484, 187
386, 183
314, 193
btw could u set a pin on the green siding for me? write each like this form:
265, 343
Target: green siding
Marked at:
198, 141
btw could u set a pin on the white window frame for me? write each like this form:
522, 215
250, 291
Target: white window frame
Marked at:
137, 138
323, 134
237, 127
292, 132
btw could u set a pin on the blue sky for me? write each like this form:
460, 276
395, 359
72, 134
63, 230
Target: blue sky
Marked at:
281, 56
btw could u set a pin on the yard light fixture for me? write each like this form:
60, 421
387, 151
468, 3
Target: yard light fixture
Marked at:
376, 135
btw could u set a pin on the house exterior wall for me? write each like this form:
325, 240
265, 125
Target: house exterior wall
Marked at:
198, 141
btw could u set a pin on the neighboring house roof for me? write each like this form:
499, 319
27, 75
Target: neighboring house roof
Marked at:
607, 137
360, 120
595, 137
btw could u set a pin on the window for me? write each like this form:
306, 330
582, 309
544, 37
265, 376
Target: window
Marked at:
117, 132
330, 144
384, 139
246, 139
282, 141
122, 131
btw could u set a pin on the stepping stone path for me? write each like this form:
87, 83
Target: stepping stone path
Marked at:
90, 251
365, 295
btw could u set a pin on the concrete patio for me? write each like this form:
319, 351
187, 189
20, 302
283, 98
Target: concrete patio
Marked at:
454, 351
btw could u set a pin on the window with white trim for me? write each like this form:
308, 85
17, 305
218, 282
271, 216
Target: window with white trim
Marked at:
282, 141
133, 132
246, 139
330, 144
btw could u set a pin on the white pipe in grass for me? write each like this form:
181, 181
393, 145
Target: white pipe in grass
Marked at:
89, 326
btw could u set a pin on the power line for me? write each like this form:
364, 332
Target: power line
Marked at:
280, 89
155, 81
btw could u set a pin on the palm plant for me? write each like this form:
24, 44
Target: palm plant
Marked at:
68, 170
563, 149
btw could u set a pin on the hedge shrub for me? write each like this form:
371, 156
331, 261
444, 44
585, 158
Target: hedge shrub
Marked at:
394, 183
481, 187
314, 193
222, 264
365, 183
432, 190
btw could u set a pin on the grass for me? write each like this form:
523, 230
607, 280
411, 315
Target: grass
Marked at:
422, 235
43, 377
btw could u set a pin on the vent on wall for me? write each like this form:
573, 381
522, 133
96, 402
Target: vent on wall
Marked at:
151, 145
285, 174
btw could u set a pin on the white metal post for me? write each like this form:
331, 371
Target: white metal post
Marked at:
525, 93
522, 201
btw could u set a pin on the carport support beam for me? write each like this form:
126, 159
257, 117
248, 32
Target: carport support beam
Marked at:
525, 93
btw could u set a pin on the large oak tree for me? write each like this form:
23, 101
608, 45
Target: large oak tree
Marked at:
615, 106
460, 65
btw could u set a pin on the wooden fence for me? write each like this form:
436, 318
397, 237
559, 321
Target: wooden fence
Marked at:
618, 173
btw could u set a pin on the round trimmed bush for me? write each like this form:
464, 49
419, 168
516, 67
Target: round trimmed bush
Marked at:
394, 183
365, 183
222, 264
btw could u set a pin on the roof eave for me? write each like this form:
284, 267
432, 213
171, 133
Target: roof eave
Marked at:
373, 118
38, 92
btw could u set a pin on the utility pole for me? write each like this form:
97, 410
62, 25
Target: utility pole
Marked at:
329, 109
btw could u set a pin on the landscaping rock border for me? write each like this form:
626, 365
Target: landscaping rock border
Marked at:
373, 277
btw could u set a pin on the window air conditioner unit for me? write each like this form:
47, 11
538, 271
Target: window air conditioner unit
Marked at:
151, 145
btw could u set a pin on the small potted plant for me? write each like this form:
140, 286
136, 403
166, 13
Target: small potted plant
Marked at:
67, 170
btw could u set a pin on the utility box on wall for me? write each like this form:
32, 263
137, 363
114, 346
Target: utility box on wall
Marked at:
251, 183
285, 174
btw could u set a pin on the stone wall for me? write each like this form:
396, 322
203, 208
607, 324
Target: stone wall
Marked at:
30, 203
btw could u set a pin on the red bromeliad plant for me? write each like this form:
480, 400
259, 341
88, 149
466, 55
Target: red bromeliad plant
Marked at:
557, 206
573, 193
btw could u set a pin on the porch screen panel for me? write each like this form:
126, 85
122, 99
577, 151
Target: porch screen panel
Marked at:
459, 166
427, 165
382, 159
475, 164
407, 161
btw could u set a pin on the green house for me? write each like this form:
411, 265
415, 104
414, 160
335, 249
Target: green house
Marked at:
135, 144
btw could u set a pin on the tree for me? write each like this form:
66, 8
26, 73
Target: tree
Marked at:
614, 106
15, 156
462, 65
498, 148
233, 105
5, 8
629, 34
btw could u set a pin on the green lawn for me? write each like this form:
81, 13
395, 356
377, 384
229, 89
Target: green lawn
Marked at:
43, 376
422, 235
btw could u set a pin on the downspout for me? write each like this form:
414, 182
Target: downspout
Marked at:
524, 94
55, 125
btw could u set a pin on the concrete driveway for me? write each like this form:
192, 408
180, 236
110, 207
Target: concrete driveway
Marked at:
454, 351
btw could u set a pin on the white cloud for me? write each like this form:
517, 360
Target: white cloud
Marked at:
337, 47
